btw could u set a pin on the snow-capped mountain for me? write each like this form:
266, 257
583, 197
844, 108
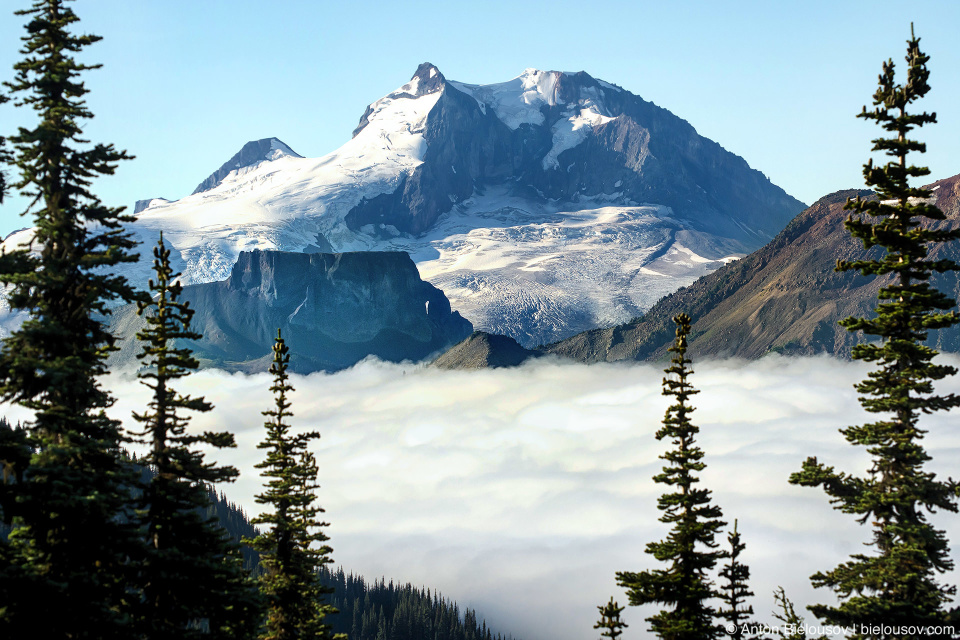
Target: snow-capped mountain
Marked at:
542, 206
250, 155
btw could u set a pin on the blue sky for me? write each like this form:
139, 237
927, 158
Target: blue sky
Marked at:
186, 83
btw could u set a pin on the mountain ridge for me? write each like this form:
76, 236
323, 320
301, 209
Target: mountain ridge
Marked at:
542, 206
250, 154
482, 350
785, 297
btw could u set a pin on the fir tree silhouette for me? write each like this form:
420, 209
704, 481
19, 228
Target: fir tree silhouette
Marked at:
896, 583
689, 549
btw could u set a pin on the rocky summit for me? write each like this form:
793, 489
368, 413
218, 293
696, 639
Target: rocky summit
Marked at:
250, 155
484, 351
566, 137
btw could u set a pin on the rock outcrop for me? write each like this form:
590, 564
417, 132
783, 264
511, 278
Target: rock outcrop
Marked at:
484, 350
141, 205
334, 309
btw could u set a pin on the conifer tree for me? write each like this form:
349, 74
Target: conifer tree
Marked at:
610, 620
290, 560
689, 548
4, 158
896, 584
194, 584
14, 459
73, 531
735, 590
314, 551
791, 625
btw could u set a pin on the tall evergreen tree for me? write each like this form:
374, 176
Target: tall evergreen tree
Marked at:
4, 158
73, 531
897, 583
735, 590
790, 624
610, 620
314, 551
292, 549
194, 584
689, 549
14, 459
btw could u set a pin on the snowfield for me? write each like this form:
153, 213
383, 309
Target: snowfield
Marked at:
502, 259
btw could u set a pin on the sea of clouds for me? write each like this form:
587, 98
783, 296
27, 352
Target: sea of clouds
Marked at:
520, 492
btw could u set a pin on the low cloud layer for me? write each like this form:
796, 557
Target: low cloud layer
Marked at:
521, 492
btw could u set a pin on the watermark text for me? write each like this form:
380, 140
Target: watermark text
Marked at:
835, 631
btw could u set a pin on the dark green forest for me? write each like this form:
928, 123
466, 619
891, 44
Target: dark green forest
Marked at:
378, 610
387, 611
381, 610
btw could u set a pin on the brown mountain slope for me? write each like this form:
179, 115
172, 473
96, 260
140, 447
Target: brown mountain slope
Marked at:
784, 297
483, 350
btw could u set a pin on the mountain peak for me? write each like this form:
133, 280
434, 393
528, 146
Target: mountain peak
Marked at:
437, 168
426, 80
430, 78
483, 350
254, 152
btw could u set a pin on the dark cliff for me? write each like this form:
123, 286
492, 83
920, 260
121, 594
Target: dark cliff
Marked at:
334, 309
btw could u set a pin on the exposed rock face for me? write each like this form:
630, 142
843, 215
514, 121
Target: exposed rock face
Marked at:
333, 309
250, 154
592, 138
140, 205
484, 350
785, 297
464, 147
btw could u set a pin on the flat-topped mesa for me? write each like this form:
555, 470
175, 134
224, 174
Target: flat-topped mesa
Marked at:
334, 309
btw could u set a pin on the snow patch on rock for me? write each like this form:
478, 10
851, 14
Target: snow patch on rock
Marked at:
278, 150
578, 124
516, 101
